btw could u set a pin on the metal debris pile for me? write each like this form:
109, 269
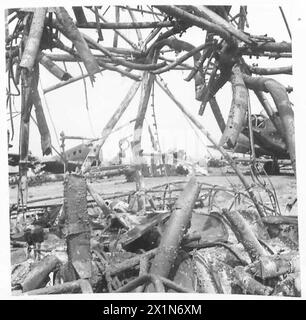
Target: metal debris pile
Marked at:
188, 239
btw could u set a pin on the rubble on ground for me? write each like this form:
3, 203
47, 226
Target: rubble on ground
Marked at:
186, 240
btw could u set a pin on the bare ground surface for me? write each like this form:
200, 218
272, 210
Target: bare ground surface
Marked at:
284, 185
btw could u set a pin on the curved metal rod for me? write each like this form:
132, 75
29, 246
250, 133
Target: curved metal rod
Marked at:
81, 285
159, 284
271, 71
182, 58
145, 279
283, 105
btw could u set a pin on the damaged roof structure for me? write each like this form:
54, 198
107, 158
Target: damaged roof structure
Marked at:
172, 237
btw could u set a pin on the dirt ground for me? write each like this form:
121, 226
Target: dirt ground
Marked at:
284, 185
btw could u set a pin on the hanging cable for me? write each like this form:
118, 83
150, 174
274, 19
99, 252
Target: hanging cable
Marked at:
9, 92
9, 105
154, 118
105, 10
285, 20
85, 86
13, 117
255, 172
155, 136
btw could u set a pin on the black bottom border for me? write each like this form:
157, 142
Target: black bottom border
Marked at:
143, 309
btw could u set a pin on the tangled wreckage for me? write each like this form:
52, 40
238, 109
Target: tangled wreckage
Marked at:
173, 237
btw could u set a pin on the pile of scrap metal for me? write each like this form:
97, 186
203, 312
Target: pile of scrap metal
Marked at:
182, 242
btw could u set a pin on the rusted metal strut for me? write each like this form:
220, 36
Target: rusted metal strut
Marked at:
177, 225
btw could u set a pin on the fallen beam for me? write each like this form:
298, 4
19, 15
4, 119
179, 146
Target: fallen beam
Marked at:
130, 263
147, 278
280, 220
39, 276
77, 286
99, 200
250, 285
245, 235
175, 230
52, 67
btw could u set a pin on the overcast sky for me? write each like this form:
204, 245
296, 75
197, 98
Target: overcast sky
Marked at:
67, 105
